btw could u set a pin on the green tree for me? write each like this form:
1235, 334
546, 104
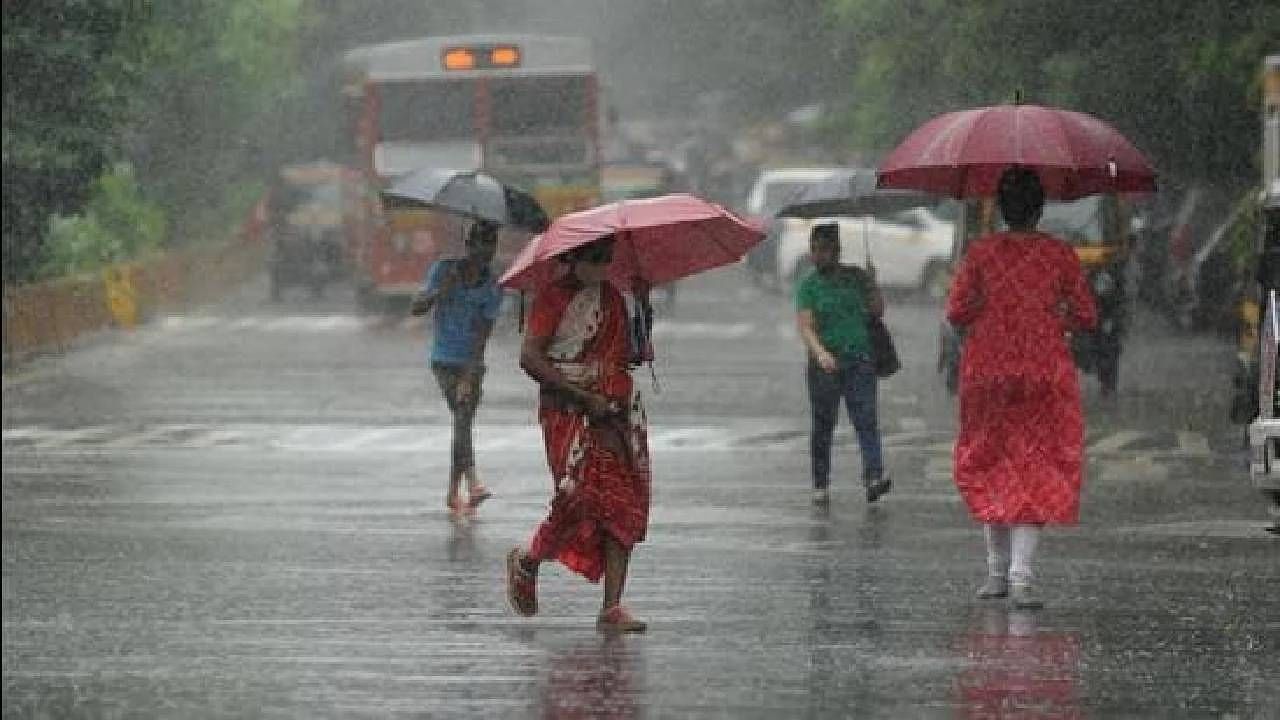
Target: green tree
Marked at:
65, 89
218, 78
1178, 78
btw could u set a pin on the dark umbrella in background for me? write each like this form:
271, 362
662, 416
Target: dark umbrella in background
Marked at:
470, 194
876, 203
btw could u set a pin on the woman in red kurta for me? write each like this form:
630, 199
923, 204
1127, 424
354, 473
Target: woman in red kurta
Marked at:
578, 348
1019, 456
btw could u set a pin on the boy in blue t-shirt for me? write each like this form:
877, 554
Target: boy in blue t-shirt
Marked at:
466, 299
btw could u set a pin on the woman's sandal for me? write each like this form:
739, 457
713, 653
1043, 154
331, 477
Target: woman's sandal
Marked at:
617, 619
522, 585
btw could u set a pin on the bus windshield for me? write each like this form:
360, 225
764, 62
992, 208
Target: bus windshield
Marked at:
538, 106
426, 111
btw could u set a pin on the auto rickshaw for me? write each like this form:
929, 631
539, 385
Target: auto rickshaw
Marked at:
1097, 226
1257, 386
306, 229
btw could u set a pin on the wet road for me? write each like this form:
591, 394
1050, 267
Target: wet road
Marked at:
239, 512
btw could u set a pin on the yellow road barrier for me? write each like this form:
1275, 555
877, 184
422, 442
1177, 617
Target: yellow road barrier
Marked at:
51, 316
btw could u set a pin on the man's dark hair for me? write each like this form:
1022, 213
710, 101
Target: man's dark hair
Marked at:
483, 231
1021, 196
825, 233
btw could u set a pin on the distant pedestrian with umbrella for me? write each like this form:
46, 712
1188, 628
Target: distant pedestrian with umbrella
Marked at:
465, 297
1020, 452
467, 300
579, 348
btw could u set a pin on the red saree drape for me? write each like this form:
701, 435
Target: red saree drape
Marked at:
600, 471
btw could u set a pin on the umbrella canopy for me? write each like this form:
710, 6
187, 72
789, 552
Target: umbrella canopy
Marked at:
659, 240
877, 203
471, 194
962, 154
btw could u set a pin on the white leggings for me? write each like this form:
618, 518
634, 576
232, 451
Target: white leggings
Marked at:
1010, 549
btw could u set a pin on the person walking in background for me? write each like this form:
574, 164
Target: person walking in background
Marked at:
1020, 451
467, 300
833, 304
578, 348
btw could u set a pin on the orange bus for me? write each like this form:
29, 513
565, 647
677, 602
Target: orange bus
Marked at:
524, 108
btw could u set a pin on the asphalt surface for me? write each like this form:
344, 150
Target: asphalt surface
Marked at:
239, 513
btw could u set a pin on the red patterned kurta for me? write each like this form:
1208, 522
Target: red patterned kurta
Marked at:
1019, 455
598, 491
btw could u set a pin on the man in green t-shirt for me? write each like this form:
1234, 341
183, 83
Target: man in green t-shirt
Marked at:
833, 303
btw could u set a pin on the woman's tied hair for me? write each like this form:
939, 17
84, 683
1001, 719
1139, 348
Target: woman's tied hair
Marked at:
1021, 196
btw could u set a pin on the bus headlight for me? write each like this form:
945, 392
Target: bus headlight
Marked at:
400, 242
1104, 283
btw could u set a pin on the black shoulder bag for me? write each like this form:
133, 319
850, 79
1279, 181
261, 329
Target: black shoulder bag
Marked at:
884, 354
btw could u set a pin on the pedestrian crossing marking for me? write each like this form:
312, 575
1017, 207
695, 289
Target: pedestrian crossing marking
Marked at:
430, 437
662, 329
671, 329
1116, 442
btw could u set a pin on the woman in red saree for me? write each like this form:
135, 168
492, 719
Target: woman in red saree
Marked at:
578, 348
1020, 452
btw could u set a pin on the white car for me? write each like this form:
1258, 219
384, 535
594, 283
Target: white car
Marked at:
776, 188
910, 249
782, 186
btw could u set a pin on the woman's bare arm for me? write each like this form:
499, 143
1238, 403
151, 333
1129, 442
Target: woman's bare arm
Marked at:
535, 362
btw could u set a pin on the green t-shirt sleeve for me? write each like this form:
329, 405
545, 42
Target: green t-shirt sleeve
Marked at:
804, 294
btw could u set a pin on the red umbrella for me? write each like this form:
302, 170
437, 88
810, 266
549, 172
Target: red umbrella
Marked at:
659, 240
962, 154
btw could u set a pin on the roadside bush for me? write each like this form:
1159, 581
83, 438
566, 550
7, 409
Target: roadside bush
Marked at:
117, 224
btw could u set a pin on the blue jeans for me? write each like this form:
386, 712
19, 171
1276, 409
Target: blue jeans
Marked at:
855, 381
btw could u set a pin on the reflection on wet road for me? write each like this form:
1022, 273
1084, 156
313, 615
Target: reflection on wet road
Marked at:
241, 513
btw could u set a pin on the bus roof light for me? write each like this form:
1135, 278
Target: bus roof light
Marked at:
476, 57
459, 59
505, 56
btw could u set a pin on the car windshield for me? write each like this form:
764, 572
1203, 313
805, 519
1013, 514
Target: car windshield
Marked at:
780, 193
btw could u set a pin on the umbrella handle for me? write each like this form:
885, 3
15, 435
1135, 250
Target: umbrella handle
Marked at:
866, 246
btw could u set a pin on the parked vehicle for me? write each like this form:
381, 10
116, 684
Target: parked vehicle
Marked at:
776, 188
315, 212
1099, 229
911, 249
